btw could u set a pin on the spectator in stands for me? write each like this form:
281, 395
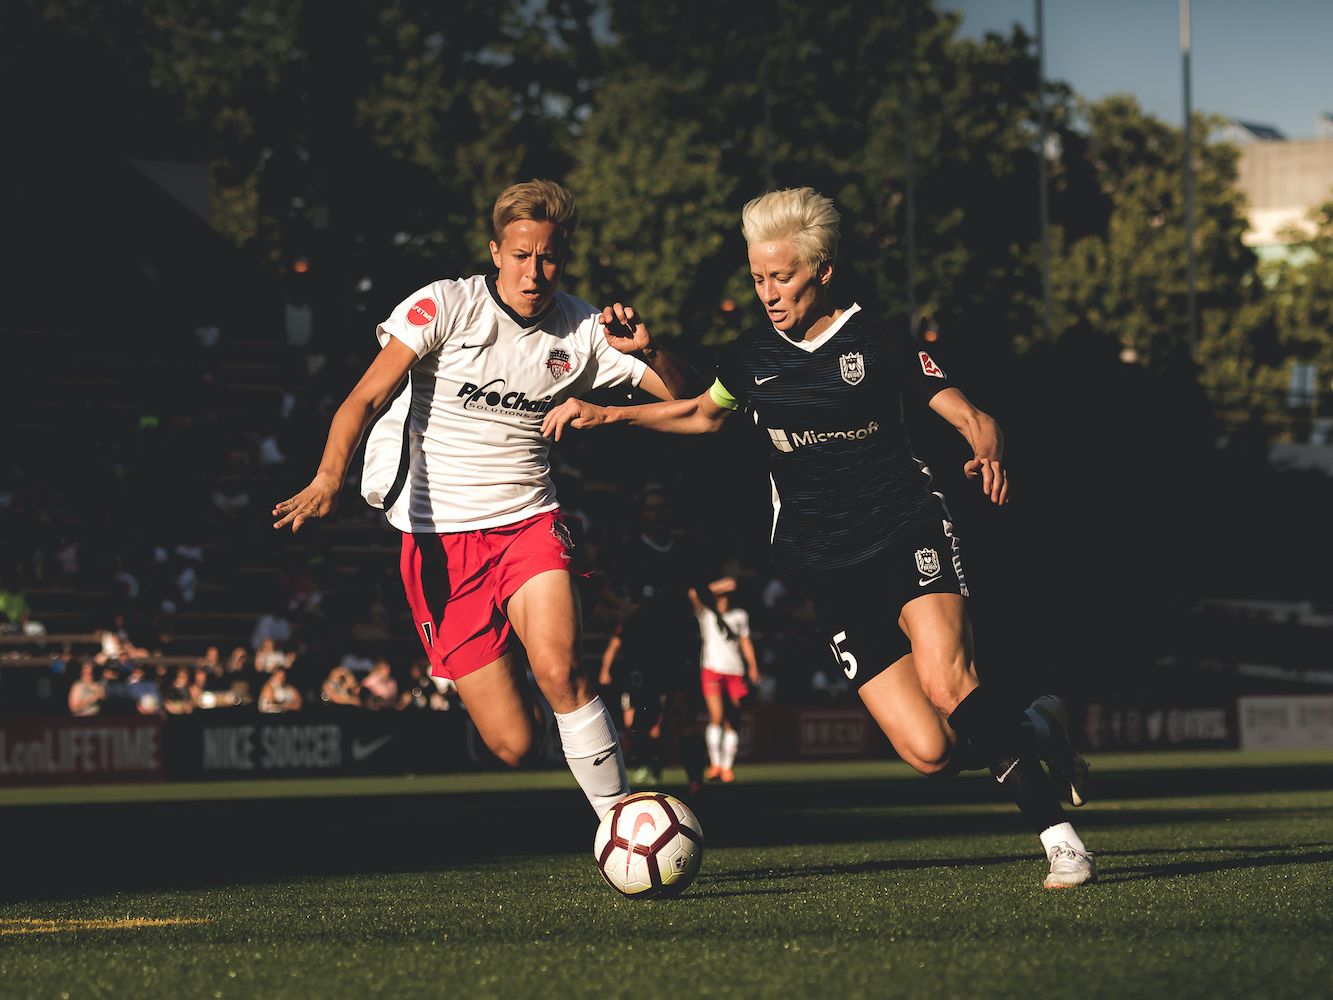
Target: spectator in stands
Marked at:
380, 688
269, 657
86, 694
273, 625
341, 688
277, 695
177, 697
424, 692
117, 645
14, 611
239, 676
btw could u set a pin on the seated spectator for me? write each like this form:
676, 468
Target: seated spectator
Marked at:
14, 611
424, 692
117, 646
277, 695
269, 657
177, 698
380, 689
239, 677
341, 688
86, 694
273, 625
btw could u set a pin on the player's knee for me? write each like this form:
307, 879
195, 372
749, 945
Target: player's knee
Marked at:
929, 756
512, 749
946, 683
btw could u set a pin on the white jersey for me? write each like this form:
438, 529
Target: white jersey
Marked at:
718, 653
460, 448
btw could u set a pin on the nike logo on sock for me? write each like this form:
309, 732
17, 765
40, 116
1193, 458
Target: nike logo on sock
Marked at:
604, 758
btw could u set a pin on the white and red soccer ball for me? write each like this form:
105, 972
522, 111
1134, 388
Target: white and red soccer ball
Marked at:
648, 845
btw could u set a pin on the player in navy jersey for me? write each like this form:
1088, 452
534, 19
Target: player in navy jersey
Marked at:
854, 512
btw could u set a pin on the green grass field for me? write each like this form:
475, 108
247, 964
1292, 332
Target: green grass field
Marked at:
852, 880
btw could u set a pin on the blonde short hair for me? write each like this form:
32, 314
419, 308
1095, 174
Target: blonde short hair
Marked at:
801, 215
538, 201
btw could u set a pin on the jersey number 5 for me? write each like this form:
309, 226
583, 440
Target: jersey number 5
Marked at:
842, 654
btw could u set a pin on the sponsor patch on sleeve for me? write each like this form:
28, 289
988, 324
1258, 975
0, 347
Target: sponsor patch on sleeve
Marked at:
421, 312
928, 365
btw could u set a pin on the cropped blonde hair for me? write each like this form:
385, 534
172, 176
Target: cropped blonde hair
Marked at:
801, 215
538, 201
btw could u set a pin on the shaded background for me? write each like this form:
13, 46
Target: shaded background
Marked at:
209, 206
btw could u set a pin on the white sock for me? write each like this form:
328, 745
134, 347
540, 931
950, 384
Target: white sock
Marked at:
731, 740
713, 737
592, 751
1053, 835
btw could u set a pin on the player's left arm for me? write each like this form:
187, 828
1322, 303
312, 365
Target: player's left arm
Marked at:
983, 435
751, 661
667, 377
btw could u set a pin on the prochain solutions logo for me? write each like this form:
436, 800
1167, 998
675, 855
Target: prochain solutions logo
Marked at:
791, 440
492, 398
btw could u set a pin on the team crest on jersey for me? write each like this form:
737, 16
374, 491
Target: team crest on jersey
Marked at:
557, 363
928, 365
928, 562
853, 368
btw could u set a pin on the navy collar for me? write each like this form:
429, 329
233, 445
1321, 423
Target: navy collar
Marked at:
524, 321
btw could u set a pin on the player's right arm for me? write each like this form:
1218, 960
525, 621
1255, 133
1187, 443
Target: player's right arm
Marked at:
700, 415
376, 387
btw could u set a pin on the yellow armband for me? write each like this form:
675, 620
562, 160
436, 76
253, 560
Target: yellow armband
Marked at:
717, 392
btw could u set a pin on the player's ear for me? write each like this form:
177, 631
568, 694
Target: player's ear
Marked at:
824, 272
495, 253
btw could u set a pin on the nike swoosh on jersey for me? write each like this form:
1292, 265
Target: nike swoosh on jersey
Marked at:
927, 583
767, 378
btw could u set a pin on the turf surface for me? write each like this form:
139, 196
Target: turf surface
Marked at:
820, 880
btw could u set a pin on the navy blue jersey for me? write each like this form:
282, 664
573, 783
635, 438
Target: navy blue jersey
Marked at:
845, 482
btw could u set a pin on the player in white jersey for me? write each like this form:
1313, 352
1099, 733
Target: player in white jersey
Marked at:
456, 458
726, 657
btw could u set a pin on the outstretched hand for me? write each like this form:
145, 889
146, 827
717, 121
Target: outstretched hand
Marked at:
317, 500
994, 478
624, 329
572, 413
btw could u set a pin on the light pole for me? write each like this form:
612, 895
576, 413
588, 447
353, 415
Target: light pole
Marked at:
1189, 176
1043, 197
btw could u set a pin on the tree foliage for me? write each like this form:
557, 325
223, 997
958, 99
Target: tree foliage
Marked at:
372, 138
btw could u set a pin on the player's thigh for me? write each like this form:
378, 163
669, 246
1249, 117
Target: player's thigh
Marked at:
544, 612
499, 704
906, 716
937, 627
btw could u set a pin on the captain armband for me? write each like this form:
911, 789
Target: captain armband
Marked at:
717, 392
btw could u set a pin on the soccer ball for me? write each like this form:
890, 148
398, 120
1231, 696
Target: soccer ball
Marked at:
649, 845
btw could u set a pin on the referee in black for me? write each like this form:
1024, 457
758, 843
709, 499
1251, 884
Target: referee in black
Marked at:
853, 510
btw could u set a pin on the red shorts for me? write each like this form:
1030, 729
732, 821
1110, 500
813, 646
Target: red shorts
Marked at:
458, 583
733, 684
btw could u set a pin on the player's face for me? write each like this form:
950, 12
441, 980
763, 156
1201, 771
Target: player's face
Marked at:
792, 293
530, 260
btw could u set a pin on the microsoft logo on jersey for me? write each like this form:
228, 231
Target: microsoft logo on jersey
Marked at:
493, 398
791, 440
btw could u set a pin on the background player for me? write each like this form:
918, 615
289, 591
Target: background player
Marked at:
656, 642
460, 467
854, 514
726, 657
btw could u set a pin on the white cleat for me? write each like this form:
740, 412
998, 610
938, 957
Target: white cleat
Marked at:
1069, 867
1050, 720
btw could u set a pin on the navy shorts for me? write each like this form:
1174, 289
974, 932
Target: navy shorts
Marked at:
858, 606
